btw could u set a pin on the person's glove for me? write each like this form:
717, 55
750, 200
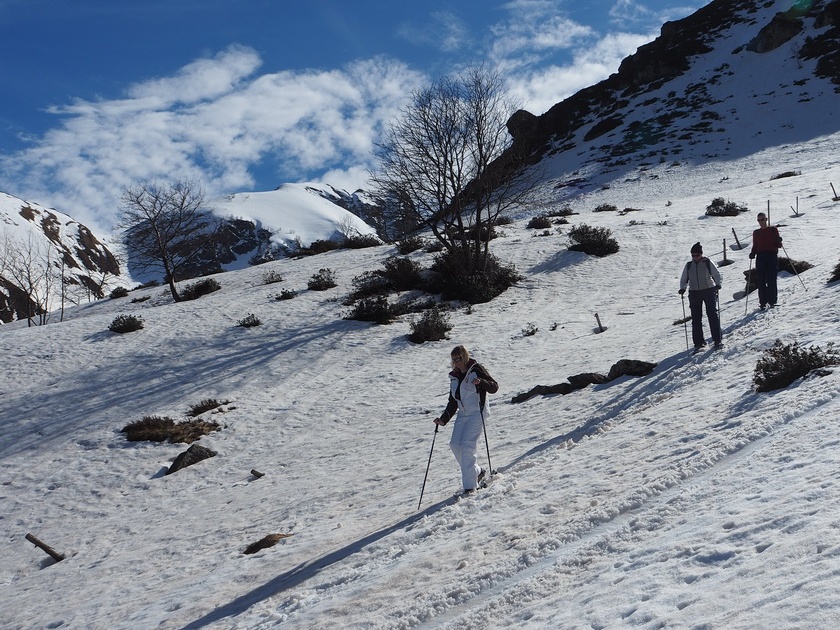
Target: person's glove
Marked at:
682, 291
752, 255
717, 287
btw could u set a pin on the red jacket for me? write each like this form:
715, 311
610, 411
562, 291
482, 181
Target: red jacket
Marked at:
766, 240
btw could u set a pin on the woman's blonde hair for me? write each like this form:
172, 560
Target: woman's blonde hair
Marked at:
461, 351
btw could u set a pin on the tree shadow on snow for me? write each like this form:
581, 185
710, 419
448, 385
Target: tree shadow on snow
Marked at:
306, 570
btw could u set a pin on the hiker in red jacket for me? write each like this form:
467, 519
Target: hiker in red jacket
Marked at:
765, 249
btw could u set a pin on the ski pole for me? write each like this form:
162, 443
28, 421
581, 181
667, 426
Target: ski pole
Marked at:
794, 268
747, 289
685, 323
437, 426
486, 444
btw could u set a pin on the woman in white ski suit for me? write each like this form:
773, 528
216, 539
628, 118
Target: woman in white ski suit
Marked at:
469, 384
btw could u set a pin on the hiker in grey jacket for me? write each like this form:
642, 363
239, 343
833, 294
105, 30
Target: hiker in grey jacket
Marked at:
702, 278
469, 384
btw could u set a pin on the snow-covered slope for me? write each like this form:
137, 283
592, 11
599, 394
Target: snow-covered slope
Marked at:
680, 499
295, 214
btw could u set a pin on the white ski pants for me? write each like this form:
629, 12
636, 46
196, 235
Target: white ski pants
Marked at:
464, 443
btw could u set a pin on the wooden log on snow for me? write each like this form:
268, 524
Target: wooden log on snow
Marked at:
58, 557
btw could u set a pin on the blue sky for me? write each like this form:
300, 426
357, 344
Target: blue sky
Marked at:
249, 94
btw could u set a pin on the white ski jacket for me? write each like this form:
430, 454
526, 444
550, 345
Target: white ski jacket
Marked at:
699, 275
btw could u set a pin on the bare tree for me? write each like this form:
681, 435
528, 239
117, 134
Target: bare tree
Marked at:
32, 267
165, 227
440, 162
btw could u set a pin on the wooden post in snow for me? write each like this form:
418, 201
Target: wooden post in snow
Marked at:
598, 319
724, 250
736, 239
835, 198
58, 557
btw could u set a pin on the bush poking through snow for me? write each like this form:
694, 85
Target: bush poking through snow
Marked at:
249, 321
197, 289
432, 326
362, 241
119, 292
125, 323
373, 309
323, 280
208, 404
409, 245
782, 364
539, 223
285, 294
835, 275
271, 277
722, 208
595, 241
157, 429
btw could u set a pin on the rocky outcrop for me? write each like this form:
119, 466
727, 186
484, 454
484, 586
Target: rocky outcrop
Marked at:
624, 367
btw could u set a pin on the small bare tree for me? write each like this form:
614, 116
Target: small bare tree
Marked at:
32, 266
165, 227
439, 163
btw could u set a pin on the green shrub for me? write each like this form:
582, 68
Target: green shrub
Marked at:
322, 246
272, 277
403, 273
119, 292
125, 323
197, 289
449, 279
372, 309
539, 223
595, 241
606, 207
409, 245
431, 326
368, 284
782, 364
362, 241
323, 280
249, 321
721, 208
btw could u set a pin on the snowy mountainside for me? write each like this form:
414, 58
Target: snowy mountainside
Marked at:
297, 214
29, 232
680, 499
724, 83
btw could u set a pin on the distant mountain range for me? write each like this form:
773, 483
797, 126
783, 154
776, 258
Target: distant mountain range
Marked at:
771, 70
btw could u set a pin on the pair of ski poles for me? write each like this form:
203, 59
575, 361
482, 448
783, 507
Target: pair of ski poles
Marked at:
428, 465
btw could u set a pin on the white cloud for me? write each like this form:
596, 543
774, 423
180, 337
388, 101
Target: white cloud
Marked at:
542, 87
214, 123
536, 28
445, 32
